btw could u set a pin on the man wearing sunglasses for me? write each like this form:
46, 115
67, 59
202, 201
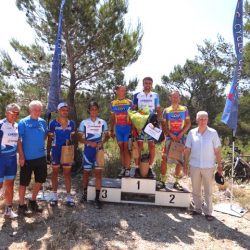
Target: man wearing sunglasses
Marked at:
8, 160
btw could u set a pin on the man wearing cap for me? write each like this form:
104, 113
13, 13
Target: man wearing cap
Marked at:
61, 130
8, 160
203, 147
32, 156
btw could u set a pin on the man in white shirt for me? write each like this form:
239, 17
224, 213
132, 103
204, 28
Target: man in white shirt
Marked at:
202, 148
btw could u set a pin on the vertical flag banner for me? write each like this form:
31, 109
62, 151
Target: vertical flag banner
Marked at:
230, 114
55, 78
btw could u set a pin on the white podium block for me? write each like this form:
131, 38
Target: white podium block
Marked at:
138, 185
110, 191
172, 199
139, 191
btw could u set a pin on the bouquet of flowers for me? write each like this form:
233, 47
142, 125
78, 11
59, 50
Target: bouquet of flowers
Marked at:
139, 118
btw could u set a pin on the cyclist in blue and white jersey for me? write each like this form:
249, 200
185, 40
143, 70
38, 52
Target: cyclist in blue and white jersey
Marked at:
8, 161
90, 133
141, 100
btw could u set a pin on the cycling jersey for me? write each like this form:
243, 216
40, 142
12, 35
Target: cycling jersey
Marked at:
175, 118
92, 131
8, 138
60, 134
141, 100
120, 108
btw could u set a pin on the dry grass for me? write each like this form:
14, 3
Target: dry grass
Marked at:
242, 195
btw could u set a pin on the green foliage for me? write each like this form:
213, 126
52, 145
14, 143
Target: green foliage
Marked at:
7, 96
198, 84
112, 159
96, 47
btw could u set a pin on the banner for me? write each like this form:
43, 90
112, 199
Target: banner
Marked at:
55, 78
230, 114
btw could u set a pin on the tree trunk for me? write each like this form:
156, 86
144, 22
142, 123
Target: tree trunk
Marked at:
71, 102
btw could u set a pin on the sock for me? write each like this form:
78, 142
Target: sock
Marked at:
69, 197
55, 197
97, 194
8, 207
163, 178
177, 178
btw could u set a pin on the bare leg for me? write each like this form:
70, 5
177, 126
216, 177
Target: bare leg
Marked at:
36, 188
151, 146
9, 192
67, 178
22, 190
54, 177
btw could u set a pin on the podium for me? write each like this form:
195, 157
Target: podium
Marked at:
139, 191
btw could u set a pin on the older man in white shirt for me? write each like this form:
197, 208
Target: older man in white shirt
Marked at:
202, 148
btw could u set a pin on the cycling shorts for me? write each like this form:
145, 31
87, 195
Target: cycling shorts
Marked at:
56, 156
122, 132
89, 158
8, 168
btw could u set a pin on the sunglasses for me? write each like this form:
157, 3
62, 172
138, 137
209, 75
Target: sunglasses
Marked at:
14, 112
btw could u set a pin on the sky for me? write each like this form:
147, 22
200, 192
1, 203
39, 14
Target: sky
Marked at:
172, 29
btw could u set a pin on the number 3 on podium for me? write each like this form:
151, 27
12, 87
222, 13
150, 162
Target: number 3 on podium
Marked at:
104, 193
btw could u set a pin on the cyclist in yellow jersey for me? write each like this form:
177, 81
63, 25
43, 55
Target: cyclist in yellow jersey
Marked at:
176, 122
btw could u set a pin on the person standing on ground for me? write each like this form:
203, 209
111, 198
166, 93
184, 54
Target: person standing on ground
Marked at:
61, 130
140, 101
176, 122
8, 159
91, 132
120, 122
32, 157
203, 147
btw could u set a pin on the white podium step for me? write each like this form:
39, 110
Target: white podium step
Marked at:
138, 185
110, 191
139, 191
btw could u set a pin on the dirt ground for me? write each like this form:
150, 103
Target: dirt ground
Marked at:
122, 226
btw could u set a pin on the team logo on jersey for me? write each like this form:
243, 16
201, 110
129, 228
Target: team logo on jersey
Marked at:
175, 116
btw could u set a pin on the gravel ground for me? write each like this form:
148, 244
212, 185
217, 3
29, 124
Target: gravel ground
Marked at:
122, 226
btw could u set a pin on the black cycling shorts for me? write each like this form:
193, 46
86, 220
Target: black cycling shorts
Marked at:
38, 166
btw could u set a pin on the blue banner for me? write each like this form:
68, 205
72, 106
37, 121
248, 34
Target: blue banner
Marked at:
230, 114
55, 78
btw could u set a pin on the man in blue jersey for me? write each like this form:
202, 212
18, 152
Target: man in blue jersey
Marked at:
61, 130
90, 133
8, 160
142, 100
120, 121
32, 157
